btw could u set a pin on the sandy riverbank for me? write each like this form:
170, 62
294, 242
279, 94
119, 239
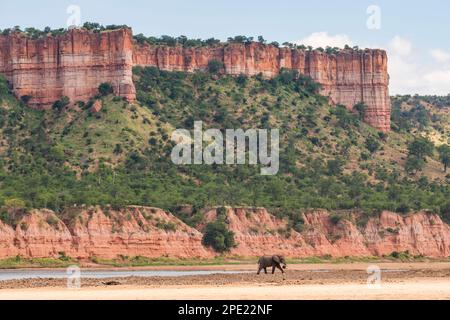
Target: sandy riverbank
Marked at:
414, 289
315, 281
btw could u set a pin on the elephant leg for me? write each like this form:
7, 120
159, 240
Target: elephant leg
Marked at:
259, 270
273, 269
265, 270
279, 267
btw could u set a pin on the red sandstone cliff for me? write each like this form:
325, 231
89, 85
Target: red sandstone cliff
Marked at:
134, 231
72, 65
141, 231
258, 232
347, 77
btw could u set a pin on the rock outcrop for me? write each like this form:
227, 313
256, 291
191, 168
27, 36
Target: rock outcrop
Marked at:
258, 232
347, 77
76, 63
150, 232
103, 233
73, 64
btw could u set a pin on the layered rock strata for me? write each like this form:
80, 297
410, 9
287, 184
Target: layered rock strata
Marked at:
72, 65
347, 77
150, 232
76, 63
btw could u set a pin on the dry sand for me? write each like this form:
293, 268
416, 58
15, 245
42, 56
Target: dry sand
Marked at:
416, 289
330, 281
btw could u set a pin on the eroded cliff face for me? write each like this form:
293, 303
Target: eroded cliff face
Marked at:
347, 77
258, 232
151, 232
76, 63
72, 65
96, 232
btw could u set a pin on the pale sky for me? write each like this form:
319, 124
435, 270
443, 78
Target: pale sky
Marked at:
415, 33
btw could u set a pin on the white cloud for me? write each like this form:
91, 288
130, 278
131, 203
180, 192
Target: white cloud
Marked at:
411, 69
400, 46
411, 73
438, 81
405, 76
440, 55
323, 39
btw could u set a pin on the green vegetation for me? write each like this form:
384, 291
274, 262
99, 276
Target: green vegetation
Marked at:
61, 104
120, 156
105, 89
360, 109
215, 66
172, 41
444, 156
18, 262
418, 150
139, 261
187, 43
97, 27
217, 235
410, 113
34, 33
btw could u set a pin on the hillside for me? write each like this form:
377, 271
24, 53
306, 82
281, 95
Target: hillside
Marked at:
120, 155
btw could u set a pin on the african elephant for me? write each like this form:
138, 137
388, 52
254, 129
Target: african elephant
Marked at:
273, 261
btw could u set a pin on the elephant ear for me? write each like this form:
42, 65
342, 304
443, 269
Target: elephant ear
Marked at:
276, 259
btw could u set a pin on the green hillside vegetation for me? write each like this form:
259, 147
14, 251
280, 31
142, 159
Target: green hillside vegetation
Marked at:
121, 155
427, 116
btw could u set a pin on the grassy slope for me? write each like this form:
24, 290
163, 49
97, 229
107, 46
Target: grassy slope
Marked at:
52, 159
87, 138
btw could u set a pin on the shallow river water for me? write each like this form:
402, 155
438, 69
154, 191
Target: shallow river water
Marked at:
104, 274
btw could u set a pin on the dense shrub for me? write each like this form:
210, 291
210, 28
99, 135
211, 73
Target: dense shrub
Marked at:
215, 66
105, 88
217, 236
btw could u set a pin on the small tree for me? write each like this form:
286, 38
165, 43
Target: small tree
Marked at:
218, 237
420, 148
215, 66
105, 88
4, 89
118, 149
444, 155
372, 144
414, 164
344, 118
334, 167
14, 204
335, 219
26, 98
261, 40
61, 104
360, 108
